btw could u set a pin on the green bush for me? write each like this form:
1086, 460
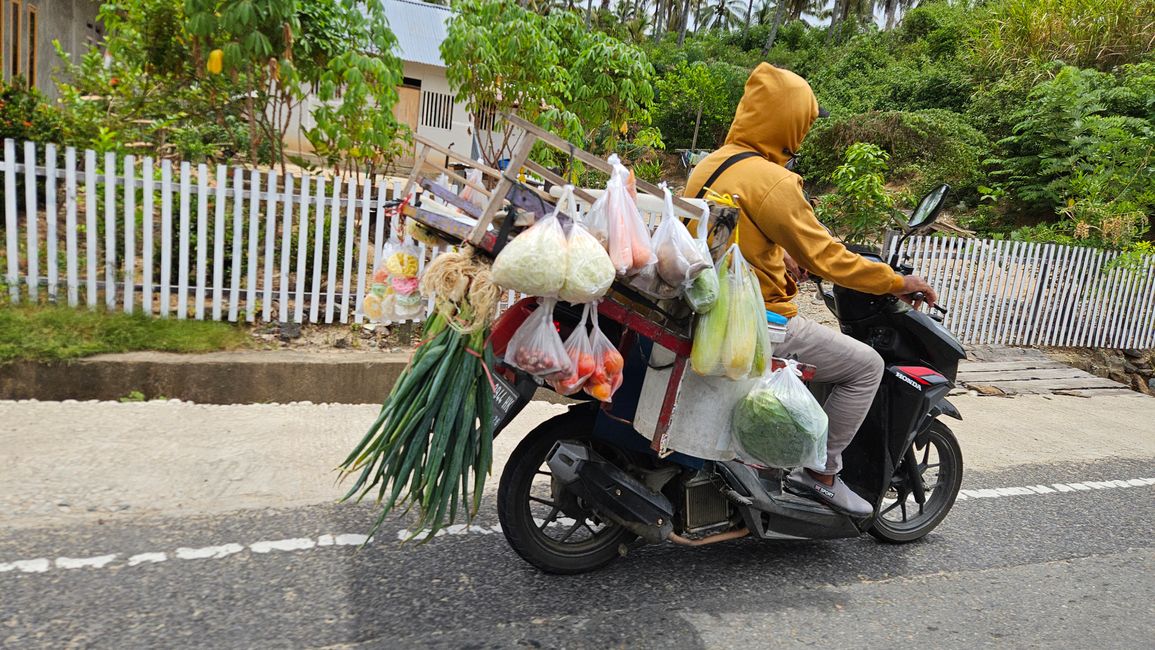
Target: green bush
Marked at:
24, 115
925, 148
715, 88
859, 209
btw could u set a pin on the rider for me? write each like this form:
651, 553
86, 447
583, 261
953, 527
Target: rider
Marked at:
777, 224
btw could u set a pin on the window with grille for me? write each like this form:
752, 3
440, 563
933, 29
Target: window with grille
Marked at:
436, 110
32, 45
14, 39
485, 117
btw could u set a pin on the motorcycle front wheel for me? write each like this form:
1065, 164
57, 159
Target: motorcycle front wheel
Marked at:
545, 524
901, 518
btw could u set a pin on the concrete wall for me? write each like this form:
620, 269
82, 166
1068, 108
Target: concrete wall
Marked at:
71, 22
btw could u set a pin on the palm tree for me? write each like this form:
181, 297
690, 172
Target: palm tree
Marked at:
722, 14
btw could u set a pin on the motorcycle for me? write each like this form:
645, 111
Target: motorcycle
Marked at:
584, 487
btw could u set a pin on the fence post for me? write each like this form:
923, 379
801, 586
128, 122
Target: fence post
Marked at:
33, 217
129, 233
52, 231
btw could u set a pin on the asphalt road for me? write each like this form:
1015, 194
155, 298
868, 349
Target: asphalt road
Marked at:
1060, 569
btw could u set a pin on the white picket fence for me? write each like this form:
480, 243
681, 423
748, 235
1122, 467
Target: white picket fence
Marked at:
164, 238
1018, 293
237, 244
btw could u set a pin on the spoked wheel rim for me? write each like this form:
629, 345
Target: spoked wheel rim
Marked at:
562, 523
939, 462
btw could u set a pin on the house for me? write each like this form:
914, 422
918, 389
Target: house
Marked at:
425, 102
28, 29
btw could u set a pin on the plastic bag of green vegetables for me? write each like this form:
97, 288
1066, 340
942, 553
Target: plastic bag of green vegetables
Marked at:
780, 424
726, 338
702, 292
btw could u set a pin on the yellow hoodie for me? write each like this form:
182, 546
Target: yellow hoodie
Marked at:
774, 115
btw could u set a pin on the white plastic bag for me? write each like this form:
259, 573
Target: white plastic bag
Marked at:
679, 258
726, 337
703, 290
589, 271
536, 346
606, 378
473, 175
535, 261
780, 424
581, 356
627, 239
394, 293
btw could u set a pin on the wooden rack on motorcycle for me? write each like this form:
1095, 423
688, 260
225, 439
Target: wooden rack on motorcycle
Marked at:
510, 202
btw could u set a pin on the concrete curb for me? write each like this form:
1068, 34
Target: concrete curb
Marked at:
248, 377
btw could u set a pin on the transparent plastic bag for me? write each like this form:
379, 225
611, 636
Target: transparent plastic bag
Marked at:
581, 356
535, 261
679, 258
627, 239
726, 337
606, 378
589, 271
536, 346
474, 176
780, 424
762, 345
394, 293
703, 290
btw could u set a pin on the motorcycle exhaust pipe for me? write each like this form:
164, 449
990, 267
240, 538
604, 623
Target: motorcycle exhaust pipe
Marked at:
712, 539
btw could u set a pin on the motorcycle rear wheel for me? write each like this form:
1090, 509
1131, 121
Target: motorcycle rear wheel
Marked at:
569, 542
900, 518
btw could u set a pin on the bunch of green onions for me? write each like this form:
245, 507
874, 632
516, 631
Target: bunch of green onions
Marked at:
431, 445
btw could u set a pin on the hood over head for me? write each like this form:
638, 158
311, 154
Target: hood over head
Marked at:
776, 111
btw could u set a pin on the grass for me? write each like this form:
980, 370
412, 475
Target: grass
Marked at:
45, 333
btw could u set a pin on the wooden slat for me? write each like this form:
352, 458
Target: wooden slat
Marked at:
165, 236
253, 241
202, 240
129, 234
71, 248
110, 266
1038, 298
379, 226
11, 236
32, 218
185, 225
998, 378
973, 367
219, 226
90, 227
334, 239
286, 249
238, 243
270, 247
1124, 307
318, 247
302, 250
50, 225
1007, 293
486, 169
548, 175
975, 297
1002, 299
1047, 385
1071, 311
1112, 284
146, 235
363, 247
350, 233
1146, 306
520, 155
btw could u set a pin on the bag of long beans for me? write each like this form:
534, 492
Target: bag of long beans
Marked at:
431, 446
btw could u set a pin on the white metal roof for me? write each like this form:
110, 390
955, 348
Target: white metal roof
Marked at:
420, 28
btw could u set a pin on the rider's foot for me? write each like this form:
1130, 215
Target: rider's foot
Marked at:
836, 494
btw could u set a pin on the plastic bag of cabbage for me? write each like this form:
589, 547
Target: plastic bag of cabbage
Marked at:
780, 424
534, 262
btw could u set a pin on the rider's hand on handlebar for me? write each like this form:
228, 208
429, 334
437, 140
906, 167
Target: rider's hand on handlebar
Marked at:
912, 284
800, 274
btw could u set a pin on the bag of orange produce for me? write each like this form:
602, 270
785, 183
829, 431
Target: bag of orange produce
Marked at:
606, 377
581, 356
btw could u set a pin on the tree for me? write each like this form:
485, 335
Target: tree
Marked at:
583, 84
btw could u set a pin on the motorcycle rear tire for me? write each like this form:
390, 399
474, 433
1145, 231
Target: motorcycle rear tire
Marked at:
517, 522
940, 502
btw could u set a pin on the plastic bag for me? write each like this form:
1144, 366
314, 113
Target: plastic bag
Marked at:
393, 288
536, 346
474, 176
679, 258
589, 271
608, 364
535, 261
780, 424
762, 345
703, 290
627, 239
726, 337
581, 356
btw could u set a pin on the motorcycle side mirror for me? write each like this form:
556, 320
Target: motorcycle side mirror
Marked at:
929, 207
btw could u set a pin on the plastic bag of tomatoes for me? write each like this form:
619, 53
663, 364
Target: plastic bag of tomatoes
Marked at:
581, 356
608, 363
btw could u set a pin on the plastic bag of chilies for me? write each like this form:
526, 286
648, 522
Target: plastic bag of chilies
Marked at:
581, 356
614, 219
536, 346
780, 424
732, 339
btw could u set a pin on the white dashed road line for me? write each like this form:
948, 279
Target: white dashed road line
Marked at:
297, 544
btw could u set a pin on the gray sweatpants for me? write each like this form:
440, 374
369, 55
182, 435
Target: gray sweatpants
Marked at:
851, 367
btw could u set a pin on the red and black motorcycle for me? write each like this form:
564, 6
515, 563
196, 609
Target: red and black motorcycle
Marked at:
584, 487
